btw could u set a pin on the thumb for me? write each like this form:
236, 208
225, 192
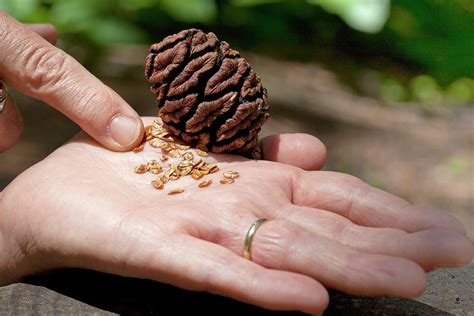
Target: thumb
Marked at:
300, 150
31, 65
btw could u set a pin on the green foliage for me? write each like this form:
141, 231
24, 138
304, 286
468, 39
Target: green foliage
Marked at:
98, 22
460, 91
438, 35
190, 11
362, 15
392, 90
425, 90
424, 48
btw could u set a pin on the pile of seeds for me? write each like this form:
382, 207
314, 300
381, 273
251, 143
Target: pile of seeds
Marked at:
187, 165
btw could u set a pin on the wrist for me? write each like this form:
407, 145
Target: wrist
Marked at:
14, 264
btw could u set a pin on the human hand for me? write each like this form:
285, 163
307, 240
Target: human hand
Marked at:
31, 65
84, 207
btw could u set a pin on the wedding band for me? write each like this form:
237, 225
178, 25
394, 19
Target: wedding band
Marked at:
249, 237
3, 96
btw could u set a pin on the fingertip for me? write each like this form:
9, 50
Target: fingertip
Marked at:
303, 292
463, 249
317, 296
448, 249
431, 217
301, 150
126, 132
382, 275
419, 281
453, 223
408, 278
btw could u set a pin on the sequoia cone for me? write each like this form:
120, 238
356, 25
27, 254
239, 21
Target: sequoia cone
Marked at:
207, 94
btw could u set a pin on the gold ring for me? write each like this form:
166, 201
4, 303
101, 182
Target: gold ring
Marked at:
3, 96
249, 237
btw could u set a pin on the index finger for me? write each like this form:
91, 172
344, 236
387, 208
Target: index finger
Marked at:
36, 68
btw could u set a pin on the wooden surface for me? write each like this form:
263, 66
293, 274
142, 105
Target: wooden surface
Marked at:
81, 292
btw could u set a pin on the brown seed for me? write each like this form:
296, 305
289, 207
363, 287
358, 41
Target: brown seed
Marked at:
185, 171
201, 153
170, 171
141, 169
174, 176
157, 132
166, 148
202, 148
185, 163
157, 184
162, 135
188, 156
159, 137
155, 143
174, 153
154, 167
214, 169
139, 148
231, 174
175, 191
148, 130
196, 174
153, 163
205, 183
182, 147
227, 181
208, 167
198, 164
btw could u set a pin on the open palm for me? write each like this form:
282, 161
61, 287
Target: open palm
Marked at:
83, 206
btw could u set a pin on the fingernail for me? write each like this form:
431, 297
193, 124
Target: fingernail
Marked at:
124, 130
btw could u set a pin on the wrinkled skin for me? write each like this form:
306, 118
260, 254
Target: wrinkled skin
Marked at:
84, 207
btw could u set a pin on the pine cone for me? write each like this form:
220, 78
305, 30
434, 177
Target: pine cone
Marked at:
207, 94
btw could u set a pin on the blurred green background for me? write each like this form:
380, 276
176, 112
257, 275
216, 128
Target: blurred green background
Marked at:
420, 51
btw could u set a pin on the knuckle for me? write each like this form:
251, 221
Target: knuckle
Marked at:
298, 184
355, 186
352, 181
273, 242
88, 107
4, 27
92, 105
45, 68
